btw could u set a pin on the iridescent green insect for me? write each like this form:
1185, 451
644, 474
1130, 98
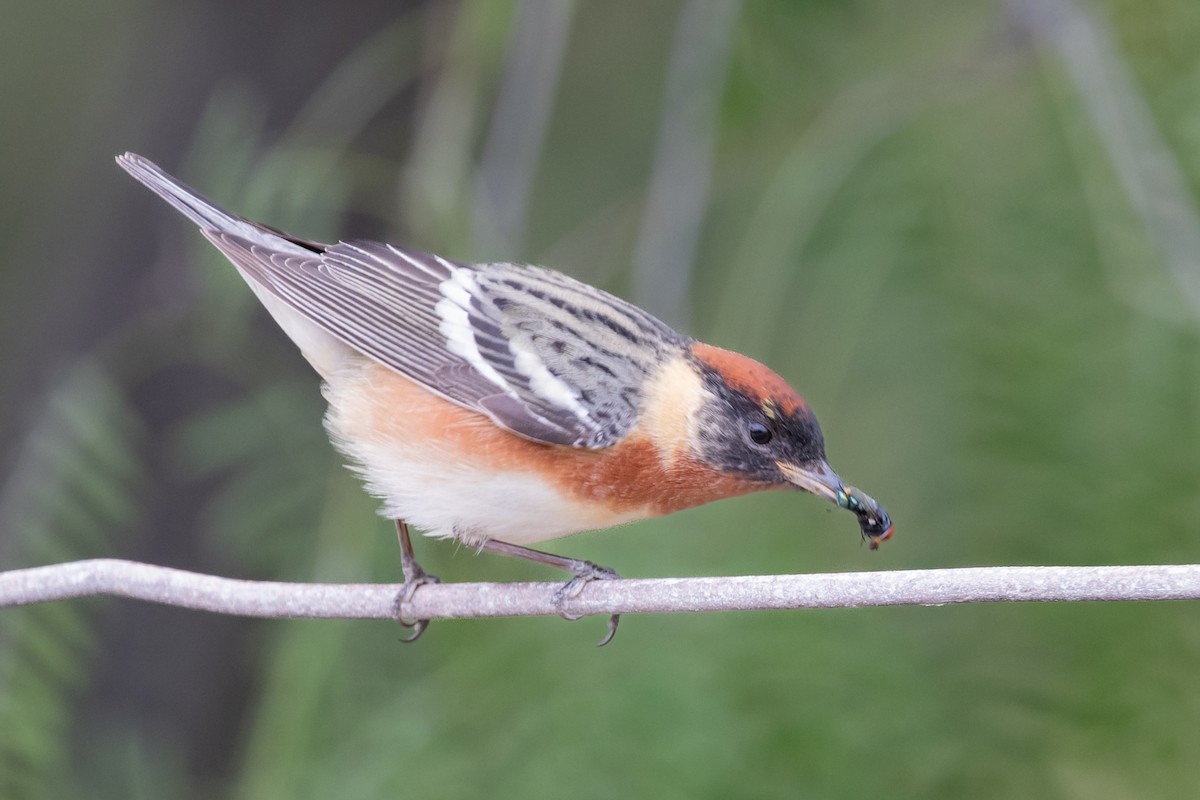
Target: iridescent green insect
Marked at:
874, 521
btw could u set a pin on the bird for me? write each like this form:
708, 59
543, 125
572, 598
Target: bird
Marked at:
504, 405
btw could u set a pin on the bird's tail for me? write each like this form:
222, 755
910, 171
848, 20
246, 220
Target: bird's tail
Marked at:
239, 238
202, 211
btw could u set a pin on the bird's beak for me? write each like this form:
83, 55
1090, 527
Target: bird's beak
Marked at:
817, 477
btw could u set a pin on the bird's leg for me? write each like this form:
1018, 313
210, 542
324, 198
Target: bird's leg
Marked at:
584, 572
414, 578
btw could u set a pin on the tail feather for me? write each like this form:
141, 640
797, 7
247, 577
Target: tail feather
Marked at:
323, 350
204, 212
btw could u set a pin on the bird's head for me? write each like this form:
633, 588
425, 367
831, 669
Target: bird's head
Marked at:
755, 425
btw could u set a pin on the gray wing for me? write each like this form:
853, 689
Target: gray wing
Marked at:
541, 354
565, 345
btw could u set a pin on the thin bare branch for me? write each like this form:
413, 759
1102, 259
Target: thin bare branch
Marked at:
662, 595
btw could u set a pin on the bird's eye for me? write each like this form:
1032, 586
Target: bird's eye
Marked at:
759, 433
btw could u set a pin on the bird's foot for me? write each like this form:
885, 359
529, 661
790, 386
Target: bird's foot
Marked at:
585, 573
414, 578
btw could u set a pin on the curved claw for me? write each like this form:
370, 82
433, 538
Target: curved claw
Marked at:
613, 622
418, 627
571, 589
405, 597
584, 572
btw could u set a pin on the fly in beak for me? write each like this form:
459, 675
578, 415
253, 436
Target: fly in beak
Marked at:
820, 479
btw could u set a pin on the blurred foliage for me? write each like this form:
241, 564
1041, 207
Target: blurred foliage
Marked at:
912, 216
74, 494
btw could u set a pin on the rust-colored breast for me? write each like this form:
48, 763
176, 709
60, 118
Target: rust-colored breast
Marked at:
640, 476
634, 474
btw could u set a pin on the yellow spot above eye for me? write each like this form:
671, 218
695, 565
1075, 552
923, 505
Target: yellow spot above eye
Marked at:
768, 408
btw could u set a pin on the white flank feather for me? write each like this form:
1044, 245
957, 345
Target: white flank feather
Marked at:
543, 381
455, 325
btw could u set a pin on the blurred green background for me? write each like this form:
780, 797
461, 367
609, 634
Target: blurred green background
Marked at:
965, 231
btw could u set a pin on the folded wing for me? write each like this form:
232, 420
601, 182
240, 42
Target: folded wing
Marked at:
541, 354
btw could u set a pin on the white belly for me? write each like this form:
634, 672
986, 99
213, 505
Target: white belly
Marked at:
447, 500
406, 446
